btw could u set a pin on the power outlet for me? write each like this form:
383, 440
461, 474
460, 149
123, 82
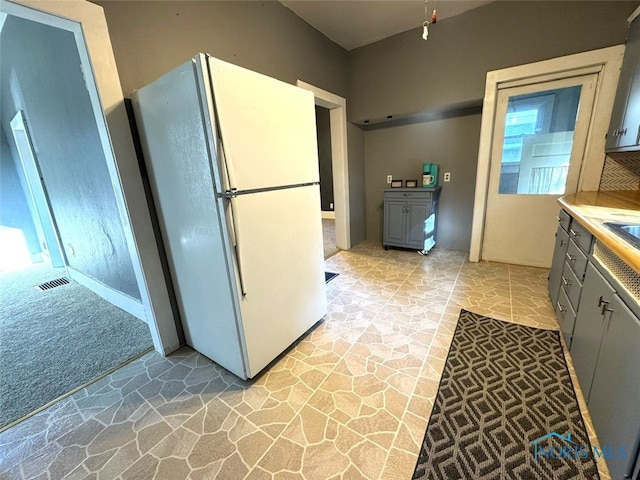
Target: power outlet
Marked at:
389, 178
447, 176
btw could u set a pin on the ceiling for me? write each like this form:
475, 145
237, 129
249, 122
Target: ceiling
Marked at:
354, 23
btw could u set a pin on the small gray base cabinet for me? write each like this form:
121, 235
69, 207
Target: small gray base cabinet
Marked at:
597, 293
410, 218
573, 245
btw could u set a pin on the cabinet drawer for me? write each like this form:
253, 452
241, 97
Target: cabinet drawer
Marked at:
576, 259
564, 219
566, 317
571, 285
581, 236
404, 195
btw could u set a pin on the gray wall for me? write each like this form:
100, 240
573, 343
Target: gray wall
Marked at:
41, 75
356, 183
151, 38
400, 151
444, 78
404, 74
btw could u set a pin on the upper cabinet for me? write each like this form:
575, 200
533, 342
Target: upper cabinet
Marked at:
624, 129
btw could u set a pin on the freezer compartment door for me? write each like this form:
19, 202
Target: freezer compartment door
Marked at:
268, 128
281, 258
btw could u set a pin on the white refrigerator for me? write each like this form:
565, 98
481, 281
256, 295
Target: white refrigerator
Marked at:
233, 167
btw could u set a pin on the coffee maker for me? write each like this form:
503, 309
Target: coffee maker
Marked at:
430, 175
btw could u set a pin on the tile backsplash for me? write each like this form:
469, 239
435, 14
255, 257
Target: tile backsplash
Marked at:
621, 171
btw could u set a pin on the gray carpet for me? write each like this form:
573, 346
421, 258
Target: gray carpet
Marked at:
505, 408
53, 341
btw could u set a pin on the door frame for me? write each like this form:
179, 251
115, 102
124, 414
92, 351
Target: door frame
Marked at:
88, 24
38, 192
606, 62
339, 159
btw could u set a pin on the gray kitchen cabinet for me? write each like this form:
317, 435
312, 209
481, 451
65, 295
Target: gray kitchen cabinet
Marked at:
555, 275
624, 127
410, 218
615, 391
570, 257
592, 315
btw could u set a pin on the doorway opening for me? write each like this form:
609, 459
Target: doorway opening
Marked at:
56, 340
339, 161
603, 66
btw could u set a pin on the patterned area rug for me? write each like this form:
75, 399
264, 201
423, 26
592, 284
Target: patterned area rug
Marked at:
505, 408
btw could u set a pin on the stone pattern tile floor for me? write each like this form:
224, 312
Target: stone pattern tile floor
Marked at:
351, 399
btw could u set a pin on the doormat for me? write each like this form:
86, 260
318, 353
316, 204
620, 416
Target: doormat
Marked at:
328, 276
505, 408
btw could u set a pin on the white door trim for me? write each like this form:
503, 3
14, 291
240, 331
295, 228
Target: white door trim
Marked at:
609, 60
88, 24
339, 159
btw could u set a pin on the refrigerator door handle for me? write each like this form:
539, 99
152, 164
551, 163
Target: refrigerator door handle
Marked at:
233, 225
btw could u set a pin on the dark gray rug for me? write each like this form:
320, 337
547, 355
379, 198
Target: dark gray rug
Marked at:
505, 408
55, 340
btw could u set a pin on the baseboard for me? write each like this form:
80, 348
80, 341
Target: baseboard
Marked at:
119, 299
328, 214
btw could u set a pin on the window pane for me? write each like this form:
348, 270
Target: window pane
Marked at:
538, 137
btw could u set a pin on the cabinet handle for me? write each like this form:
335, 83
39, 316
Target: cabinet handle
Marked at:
616, 132
562, 244
406, 194
566, 283
571, 258
605, 308
560, 307
623, 131
574, 233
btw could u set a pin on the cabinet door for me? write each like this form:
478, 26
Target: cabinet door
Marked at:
562, 239
615, 392
394, 222
623, 127
589, 328
631, 120
418, 212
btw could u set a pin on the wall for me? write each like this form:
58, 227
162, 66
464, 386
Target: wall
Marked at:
151, 38
323, 127
41, 75
400, 151
450, 67
356, 183
14, 204
443, 80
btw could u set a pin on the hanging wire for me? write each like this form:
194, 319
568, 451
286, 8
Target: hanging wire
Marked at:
425, 24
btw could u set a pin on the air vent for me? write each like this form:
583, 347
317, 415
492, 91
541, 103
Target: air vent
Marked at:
58, 282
